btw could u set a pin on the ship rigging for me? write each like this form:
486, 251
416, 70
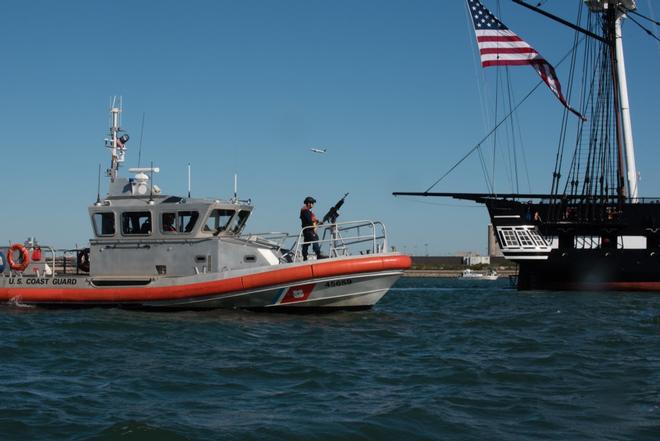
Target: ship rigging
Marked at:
585, 233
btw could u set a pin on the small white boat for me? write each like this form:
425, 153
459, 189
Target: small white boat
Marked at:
491, 275
469, 274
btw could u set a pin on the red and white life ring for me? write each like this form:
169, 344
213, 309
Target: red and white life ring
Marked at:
24, 261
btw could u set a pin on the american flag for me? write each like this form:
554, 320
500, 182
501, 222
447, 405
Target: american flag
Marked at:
499, 46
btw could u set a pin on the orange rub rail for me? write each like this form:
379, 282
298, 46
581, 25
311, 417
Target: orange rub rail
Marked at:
215, 287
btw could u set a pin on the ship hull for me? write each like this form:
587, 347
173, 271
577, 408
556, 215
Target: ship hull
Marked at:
592, 270
604, 248
342, 283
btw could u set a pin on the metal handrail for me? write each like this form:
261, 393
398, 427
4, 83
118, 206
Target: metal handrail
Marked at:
339, 243
50, 261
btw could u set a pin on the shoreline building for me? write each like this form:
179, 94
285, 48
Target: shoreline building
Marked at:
493, 248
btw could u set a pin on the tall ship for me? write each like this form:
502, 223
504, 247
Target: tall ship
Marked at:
592, 230
151, 250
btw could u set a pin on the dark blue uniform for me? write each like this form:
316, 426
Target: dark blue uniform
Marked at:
308, 219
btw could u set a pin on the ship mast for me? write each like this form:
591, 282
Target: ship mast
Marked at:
628, 145
618, 10
116, 143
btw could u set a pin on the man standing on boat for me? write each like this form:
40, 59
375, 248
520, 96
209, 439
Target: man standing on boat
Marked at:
309, 222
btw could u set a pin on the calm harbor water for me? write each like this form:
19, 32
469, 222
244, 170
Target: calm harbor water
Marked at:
436, 359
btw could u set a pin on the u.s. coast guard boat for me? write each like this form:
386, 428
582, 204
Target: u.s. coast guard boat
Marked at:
152, 250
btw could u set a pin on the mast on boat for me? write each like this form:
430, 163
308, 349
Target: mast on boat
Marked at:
628, 145
116, 143
619, 9
612, 14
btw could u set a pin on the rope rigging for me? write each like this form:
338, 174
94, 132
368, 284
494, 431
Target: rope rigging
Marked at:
644, 28
596, 170
478, 145
655, 22
596, 167
556, 175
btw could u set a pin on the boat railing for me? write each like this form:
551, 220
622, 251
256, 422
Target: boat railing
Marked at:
343, 239
274, 239
54, 262
336, 240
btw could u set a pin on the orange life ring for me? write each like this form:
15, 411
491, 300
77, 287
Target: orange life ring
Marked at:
25, 257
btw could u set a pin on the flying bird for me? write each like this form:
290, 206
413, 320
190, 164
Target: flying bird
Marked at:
318, 150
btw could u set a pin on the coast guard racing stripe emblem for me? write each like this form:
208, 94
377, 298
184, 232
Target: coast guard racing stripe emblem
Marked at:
297, 293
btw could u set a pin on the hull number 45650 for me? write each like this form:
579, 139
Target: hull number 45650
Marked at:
333, 283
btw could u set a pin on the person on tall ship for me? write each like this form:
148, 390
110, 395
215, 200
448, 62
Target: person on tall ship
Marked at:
309, 222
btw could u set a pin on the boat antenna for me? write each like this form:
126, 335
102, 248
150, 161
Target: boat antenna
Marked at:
151, 184
141, 134
116, 143
98, 187
189, 180
235, 187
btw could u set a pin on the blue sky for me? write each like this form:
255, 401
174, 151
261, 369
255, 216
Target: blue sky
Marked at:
392, 89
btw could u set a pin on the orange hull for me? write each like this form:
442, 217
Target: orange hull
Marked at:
274, 278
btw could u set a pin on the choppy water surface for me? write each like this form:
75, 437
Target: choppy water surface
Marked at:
436, 359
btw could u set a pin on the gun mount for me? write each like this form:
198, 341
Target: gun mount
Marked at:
333, 213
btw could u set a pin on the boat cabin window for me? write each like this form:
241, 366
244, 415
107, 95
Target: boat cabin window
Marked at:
168, 223
178, 222
104, 224
136, 223
218, 220
238, 222
187, 220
